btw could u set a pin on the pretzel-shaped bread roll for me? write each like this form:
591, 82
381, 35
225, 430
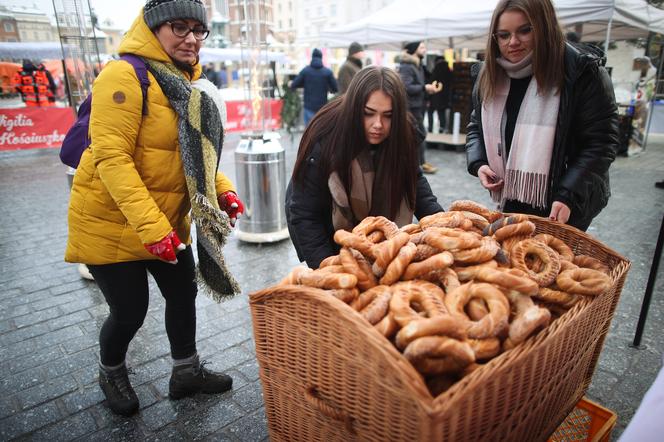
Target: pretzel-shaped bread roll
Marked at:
421, 295
490, 325
356, 264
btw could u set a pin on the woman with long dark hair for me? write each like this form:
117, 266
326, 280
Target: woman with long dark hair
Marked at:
544, 129
357, 158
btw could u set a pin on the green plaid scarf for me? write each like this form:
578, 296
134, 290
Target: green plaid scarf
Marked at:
201, 138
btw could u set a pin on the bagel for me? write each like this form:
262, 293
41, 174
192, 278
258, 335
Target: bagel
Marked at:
439, 354
445, 325
353, 262
386, 251
488, 326
438, 261
549, 259
373, 304
399, 264
371, 225
486, 251
354, 241
556, 244
472, 206
442, 219
589, 262
410, 298
583, 281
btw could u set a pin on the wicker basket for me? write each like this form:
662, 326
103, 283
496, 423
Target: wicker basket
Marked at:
327, 375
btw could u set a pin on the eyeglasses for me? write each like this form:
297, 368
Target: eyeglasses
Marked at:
182, 30
523, 34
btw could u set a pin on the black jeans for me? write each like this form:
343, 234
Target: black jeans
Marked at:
125, 287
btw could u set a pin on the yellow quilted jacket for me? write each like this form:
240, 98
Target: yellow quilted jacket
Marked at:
129, 189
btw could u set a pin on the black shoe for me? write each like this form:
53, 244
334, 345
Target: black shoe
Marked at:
189, 379
120, 396
660, 184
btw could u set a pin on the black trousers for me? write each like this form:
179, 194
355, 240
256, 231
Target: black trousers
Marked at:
125, 287
419, 117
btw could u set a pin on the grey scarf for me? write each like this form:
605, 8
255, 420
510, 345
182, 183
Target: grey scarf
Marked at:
200, 140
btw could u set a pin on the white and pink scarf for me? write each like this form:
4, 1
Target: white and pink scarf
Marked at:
526, 170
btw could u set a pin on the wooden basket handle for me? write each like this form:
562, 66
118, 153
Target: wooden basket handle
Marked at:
311, 396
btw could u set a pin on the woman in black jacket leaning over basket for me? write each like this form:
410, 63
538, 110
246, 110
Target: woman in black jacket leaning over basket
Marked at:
544, 129
357, 158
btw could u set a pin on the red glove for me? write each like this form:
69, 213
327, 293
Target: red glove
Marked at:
230, 203
167, 248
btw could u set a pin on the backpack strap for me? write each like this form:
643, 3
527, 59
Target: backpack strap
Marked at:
142, 73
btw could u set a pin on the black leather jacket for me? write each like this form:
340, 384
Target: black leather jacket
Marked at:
309, 212
586, 139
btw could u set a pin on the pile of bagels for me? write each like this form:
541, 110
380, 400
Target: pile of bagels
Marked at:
457, 289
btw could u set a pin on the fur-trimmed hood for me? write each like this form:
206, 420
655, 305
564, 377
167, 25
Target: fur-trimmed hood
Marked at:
411, 59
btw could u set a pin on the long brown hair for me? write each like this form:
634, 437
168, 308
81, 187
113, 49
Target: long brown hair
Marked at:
548, 48
339, 128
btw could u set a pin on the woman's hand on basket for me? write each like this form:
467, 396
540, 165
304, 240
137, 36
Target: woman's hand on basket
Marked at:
489, 179
559, 212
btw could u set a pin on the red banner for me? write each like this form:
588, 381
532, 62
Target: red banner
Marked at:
237, 114
27, 128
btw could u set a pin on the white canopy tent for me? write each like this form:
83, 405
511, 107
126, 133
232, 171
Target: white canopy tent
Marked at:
31, 50
208, 55
445, 23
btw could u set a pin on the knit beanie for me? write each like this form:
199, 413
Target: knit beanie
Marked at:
354, 48
316, 53
412, 46
157, 12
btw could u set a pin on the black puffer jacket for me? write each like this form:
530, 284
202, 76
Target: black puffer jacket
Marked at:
412, 75
309, 212
585, 142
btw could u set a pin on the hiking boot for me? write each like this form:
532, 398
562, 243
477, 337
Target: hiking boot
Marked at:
120, 396
189, 379
429, 168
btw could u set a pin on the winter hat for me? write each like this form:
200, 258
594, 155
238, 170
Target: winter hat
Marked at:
354, 48
316, 53
157, 12
412, 46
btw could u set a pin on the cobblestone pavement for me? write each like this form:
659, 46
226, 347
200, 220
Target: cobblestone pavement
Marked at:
50, 317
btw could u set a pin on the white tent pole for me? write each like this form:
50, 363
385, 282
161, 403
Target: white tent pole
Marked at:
651, 107
608, 35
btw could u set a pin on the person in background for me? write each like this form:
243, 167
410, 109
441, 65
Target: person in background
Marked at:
544, 129
412, 74
441, 101
134, 189
222, 76
357, 158
572, 37
317, 81
35, 84
211, 74
351, 66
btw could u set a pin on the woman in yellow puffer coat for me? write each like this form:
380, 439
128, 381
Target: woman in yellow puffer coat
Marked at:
130, 200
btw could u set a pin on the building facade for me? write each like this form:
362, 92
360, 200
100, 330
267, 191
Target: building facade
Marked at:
218, 19
8, 28
238, 12
285, 21
316, 15
31, 24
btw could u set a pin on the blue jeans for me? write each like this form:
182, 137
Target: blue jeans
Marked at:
308, 115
